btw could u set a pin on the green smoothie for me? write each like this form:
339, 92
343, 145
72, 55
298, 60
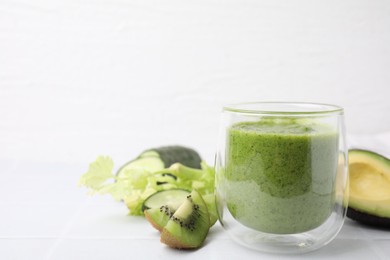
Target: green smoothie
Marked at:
280, 174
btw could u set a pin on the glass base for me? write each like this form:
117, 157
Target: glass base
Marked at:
284, 243
299, 243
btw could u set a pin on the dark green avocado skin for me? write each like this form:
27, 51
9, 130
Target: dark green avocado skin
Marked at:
368, 219
176, 153
172, 154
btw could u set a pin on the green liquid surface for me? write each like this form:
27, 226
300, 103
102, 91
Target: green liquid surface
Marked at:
280, 174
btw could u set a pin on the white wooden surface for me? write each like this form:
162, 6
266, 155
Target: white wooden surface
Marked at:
44, 215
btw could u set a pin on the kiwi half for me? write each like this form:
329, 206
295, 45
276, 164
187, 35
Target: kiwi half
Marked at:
160, 206
188, 226
159, 217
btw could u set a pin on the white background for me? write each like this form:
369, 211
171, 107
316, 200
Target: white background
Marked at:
82, 78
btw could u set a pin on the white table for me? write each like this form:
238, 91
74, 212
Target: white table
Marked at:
45, 215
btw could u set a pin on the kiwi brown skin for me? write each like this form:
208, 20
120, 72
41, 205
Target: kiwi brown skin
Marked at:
158, 227
159, 223
189, 226
170, 240
152, 222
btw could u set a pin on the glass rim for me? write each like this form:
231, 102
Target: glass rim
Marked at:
295, 108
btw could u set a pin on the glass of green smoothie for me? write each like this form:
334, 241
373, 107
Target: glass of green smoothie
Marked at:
281, 175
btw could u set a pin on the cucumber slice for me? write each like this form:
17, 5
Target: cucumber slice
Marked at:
150, 164
172, 198
159, 158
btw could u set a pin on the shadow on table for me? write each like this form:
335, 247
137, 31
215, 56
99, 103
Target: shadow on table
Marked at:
339, 247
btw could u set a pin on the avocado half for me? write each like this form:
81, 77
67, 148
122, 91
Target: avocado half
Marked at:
369, 188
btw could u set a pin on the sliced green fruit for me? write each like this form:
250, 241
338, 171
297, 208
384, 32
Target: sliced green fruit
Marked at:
147, 174
369, 188
172, 198
159, 158
159, 217
160, 206
189, 225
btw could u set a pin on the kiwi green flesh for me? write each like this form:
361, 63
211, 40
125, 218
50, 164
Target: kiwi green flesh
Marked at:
172, 198
158, 217
189, 225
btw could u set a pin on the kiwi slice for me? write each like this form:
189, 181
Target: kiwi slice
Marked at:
159, 217
172, 198
188, 227
160, 206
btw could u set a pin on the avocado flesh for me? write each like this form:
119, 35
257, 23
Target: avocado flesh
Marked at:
369, 188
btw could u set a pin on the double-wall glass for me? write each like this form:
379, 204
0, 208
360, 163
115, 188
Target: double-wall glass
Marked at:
281, 175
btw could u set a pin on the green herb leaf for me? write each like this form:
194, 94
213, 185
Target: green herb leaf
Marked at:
136, 184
